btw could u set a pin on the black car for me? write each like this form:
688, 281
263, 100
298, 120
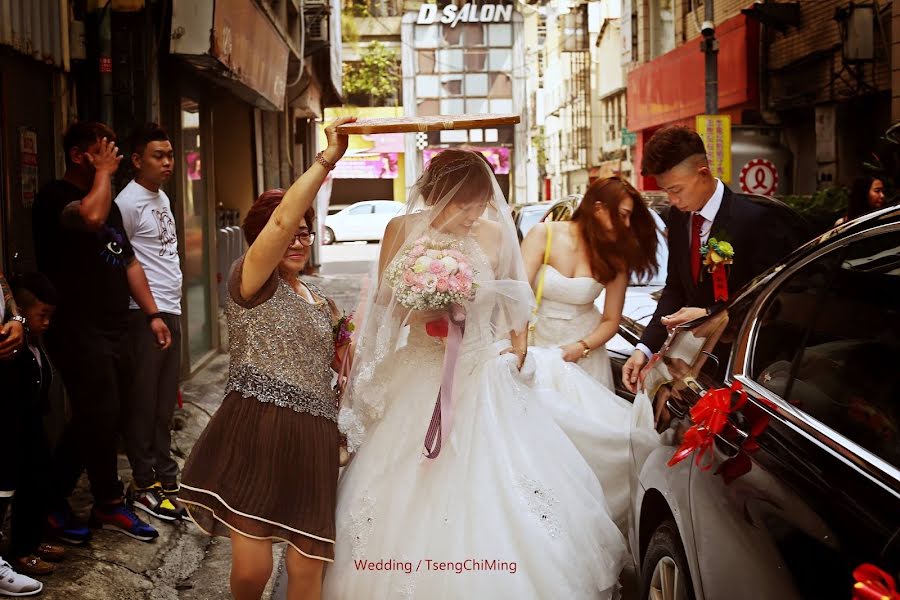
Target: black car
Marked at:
802, 484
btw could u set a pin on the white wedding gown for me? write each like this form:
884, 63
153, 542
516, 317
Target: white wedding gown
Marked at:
509, 509
584, 404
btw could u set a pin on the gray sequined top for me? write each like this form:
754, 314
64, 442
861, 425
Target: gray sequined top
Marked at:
281, 347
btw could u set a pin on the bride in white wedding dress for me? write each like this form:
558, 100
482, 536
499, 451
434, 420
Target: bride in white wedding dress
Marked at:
506, 507
611, 235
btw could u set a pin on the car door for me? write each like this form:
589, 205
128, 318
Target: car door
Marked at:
357, 221
384, 212
804, 483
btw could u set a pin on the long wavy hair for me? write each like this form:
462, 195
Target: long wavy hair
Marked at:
631, 249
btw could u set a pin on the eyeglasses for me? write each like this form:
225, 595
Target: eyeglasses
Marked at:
305, 238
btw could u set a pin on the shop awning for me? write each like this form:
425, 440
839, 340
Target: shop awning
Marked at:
235, 43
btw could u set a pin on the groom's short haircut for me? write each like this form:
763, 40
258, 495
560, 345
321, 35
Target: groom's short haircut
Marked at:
669, 147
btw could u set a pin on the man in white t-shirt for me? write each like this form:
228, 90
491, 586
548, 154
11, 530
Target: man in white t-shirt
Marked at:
150, 225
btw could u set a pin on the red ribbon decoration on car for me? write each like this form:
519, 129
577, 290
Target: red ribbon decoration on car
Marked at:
873, 584
720, 283
709, 416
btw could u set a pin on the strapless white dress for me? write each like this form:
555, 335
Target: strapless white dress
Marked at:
567, 314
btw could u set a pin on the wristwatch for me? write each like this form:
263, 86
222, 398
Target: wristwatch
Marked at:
587, 349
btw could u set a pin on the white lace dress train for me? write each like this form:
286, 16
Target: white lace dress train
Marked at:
509, 509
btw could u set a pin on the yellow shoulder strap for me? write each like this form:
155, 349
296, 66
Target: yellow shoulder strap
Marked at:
540, 286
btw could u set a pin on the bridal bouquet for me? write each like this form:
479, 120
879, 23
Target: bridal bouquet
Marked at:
431, 275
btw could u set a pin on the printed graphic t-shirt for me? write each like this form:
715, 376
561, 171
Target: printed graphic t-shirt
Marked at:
150, 227
87, 267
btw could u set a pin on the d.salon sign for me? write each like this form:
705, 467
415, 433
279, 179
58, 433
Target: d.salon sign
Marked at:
467, 13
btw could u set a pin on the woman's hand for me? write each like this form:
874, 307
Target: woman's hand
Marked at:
520, 354
343, 354
337, 143
572, 352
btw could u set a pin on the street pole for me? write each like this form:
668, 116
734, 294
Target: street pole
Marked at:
710, 47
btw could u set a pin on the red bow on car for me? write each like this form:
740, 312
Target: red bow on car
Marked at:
709, 416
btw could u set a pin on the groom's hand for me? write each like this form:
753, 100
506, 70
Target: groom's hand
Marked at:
632, 369
685, 315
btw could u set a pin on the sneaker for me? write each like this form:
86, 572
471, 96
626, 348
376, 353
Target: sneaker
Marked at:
171, 491
33, 565
153, 501
118, 517
15, 584
65, 528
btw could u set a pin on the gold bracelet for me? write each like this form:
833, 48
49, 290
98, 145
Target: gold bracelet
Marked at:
587, 349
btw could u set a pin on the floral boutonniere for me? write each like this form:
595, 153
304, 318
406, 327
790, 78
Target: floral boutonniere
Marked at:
717, 255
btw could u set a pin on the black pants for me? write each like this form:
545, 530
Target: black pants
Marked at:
92, 362
151, 401
24, 483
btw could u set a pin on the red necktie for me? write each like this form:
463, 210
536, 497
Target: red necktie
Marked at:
696, 225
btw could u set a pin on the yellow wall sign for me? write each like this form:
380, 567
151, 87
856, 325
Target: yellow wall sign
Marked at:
716, 133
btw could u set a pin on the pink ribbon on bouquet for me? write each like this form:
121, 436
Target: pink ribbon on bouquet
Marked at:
442, 416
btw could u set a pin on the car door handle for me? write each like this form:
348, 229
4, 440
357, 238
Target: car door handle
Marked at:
675, 409
735, 433
713, 357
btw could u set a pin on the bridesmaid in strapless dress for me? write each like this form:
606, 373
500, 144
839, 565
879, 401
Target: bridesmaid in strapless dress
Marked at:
611, 236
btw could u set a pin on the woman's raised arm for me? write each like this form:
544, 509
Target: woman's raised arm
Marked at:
268, 249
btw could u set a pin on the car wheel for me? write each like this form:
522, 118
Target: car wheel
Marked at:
328, 238
664, 573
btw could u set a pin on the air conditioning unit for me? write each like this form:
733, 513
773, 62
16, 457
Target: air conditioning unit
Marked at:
315, 15
317, 29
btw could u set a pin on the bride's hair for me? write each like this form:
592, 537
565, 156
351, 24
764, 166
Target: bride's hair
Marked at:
456, 170
629, 249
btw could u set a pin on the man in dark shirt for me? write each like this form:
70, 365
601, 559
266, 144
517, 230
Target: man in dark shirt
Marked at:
82, 247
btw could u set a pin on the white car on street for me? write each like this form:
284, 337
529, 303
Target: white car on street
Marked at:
363, 221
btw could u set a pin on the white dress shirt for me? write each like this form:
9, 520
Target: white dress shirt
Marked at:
708, 212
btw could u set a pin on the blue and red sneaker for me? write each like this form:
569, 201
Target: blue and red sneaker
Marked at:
118, 517
64, 527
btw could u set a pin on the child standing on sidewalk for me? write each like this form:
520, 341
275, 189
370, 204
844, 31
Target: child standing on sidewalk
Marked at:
27, 376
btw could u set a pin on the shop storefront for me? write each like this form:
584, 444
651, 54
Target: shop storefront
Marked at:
33, 78
467, 59
374, 165
669, 90
214, 93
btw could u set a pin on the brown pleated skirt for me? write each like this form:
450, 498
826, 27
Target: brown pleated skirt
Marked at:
267, 472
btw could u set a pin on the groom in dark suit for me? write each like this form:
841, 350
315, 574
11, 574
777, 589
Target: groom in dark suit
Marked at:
706, 208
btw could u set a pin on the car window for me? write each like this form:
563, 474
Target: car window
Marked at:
388, 208
561, 211
530, 218
829, 342
361, 209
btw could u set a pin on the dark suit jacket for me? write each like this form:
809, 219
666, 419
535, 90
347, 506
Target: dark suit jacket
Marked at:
760, 240
25, 381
